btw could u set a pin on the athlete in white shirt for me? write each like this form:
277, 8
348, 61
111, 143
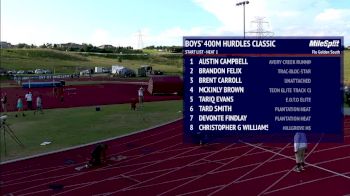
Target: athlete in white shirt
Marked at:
29, 99
140, 93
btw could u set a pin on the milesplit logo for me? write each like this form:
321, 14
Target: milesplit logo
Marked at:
324, 43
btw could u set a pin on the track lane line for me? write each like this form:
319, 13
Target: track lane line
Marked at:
189, 164
309, 164
19, 179
286, 174
209, 172
131, 171
249, 172
304, 183
96, 169
200, 190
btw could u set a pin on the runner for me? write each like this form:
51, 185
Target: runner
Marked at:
98, 155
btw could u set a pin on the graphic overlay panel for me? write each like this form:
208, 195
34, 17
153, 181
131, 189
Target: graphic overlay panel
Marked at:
263, 90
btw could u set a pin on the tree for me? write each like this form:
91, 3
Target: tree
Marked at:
22, 45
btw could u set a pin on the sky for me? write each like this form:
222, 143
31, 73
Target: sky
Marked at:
165, 22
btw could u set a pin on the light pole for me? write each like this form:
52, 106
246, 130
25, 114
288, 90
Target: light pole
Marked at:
239, 4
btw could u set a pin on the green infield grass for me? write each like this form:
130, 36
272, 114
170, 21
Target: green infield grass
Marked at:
75, 126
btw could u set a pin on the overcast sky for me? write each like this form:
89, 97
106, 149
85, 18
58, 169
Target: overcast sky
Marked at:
163, 22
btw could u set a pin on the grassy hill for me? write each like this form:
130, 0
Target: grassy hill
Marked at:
70, 62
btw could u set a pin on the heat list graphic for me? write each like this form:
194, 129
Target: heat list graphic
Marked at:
263, 90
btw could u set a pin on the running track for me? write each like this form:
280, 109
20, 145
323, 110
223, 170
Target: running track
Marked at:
158, 163
85, 95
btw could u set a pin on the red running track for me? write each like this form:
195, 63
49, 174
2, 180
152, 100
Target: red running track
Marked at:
84, 95
158, 163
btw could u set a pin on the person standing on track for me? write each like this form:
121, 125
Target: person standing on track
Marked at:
39, 105
20, 106
4, 102
133, 103
61, 94
347, 98
29, 99
140, 93
300, 147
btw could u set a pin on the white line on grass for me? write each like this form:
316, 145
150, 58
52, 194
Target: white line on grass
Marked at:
95, 142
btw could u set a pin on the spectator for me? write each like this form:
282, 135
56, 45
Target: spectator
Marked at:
55, 92
140, 93
4, 102
61, 94
347, 98
133, 103
300, 147
20, 106
39, 105
29, 99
